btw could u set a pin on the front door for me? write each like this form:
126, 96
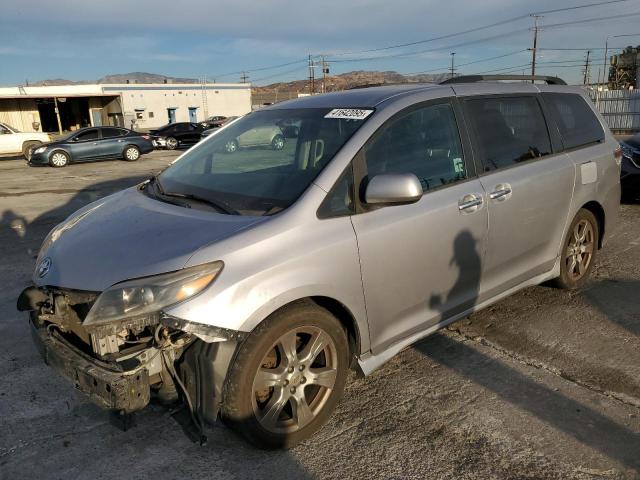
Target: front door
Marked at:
193, 114
529, 188
85, 145
421, 263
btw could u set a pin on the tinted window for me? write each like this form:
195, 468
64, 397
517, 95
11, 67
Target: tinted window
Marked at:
112, 132
4, 130
86, 136
508, 130
183, 127
577, 123
424, 142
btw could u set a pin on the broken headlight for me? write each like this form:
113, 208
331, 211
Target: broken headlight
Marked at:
147, 295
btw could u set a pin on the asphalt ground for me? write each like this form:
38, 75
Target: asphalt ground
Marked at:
544, 384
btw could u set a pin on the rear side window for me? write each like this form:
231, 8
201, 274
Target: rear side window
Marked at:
425, 141
577, 123
112, 132
508, 130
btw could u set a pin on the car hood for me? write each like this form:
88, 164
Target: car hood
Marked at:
128, 235
633, 142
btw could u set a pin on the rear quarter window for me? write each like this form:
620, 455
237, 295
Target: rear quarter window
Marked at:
577, 123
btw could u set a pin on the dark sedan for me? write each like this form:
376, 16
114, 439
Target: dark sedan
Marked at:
93, 143
174, 135
630, 171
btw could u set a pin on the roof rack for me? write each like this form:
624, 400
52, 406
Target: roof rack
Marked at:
495, 78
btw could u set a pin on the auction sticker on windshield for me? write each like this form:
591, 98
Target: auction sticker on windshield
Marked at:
349, 113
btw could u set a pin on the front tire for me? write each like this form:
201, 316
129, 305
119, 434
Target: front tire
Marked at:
59, 159
578, 251
287, 377
131, 153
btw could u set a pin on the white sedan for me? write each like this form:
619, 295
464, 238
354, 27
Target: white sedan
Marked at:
13, 141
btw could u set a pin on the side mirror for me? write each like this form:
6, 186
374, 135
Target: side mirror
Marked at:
393, 189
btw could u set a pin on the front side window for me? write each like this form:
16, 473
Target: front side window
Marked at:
577, 123
508, 130
87, 136
424, 141
253, 168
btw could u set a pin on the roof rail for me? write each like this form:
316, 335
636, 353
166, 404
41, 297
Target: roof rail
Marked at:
495, 78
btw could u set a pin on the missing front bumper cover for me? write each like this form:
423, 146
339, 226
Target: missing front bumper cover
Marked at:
108, 388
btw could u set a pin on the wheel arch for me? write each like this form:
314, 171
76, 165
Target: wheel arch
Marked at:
339, 310
598, 212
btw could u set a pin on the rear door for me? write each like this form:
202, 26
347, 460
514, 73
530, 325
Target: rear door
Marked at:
529, 184
112, 142
420, 263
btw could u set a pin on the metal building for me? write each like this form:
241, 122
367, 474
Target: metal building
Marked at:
143, 106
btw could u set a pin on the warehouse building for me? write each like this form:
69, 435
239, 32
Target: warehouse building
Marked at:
143, 106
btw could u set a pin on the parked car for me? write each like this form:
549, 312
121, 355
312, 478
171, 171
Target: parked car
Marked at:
209, 131
630, 172
214, 122
13, 141
260, 136
249, 283
174, 135
92, 143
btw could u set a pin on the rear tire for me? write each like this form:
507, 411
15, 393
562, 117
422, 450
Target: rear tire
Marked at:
131, 153
28, 147
278, 142
287, 377
578, 252
172, 143
59, 159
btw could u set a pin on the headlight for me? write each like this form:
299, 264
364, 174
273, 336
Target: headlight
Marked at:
147, 295
39, 149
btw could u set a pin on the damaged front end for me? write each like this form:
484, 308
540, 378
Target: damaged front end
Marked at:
127, 353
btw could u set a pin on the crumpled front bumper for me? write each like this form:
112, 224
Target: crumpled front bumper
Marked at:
105, 386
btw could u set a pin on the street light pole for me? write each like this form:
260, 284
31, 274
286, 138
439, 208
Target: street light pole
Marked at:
453, 70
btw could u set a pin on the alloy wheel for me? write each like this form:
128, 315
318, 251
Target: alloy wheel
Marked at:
580, 249
59, 159
294, 380
132, 153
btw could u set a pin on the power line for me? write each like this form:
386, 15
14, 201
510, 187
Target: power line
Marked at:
590, 20
477, 29
259, 69
482, 60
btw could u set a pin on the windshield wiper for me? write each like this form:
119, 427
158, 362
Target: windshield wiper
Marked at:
221, 207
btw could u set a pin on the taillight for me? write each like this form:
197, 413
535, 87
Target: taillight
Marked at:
617, 154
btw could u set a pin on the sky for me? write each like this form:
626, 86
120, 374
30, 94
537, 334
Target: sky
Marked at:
87, 39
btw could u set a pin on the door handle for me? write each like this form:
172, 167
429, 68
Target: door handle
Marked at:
501, 192
469, 203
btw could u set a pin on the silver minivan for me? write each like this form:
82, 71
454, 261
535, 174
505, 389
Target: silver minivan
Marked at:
247, 283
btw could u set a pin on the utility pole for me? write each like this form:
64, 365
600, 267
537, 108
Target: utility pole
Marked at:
325, 71
586, 69
244, 77
453, 70
535, 45
312, 86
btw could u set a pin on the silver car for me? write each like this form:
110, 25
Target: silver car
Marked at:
247, 284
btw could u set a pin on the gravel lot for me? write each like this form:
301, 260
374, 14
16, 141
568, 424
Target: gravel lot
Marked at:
545, 384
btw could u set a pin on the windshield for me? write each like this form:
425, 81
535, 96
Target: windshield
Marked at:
261, 164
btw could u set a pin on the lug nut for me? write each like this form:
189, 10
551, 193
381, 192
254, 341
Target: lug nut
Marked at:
290, 369
293, 390
286, 382
301, 367
303, 380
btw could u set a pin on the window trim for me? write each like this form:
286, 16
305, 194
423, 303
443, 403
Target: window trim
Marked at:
556, 148
323, 216
360, 173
